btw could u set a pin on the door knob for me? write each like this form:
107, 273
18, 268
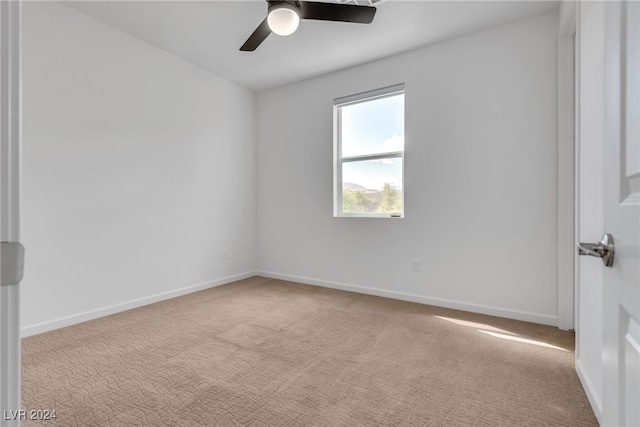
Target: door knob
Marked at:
603, 249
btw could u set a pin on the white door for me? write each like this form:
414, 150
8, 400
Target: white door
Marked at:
10, 250
621, 290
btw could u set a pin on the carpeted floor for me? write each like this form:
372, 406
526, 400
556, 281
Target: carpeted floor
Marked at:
262, 352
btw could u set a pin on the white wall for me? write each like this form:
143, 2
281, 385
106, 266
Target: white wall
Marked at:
138, 169
480, 176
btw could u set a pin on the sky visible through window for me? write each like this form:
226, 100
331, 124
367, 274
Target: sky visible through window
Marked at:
373, 127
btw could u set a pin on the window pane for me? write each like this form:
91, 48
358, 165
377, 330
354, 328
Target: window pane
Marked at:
372, 186
373, 127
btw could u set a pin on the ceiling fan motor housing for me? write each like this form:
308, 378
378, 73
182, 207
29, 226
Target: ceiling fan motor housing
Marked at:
294, 3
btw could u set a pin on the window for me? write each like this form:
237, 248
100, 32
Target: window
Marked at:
369, 154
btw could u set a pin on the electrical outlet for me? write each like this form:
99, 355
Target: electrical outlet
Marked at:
225, 255
415, 265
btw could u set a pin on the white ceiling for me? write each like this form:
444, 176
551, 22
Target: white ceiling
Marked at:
209, 33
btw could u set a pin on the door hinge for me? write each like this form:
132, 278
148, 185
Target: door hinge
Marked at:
11, 263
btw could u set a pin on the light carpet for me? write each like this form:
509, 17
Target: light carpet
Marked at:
263, 352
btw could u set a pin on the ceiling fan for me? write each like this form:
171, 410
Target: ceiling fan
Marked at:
283, 17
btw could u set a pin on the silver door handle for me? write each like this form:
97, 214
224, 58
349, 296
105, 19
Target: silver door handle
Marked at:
603, 249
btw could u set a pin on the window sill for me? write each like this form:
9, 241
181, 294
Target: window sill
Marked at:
388, 216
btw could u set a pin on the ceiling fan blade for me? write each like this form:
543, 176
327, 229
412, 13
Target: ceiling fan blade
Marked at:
258, 36
337, 12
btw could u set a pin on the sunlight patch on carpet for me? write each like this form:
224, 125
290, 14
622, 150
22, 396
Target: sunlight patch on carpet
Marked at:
522, 340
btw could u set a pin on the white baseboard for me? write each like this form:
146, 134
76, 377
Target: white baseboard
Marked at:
51, 325
492, 311
117, 308
590, 391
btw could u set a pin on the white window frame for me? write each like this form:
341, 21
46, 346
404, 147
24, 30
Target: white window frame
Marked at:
359, 98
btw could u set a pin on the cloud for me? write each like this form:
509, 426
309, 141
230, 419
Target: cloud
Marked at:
395, 142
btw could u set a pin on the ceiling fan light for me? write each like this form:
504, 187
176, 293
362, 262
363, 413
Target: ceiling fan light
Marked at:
283, 19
